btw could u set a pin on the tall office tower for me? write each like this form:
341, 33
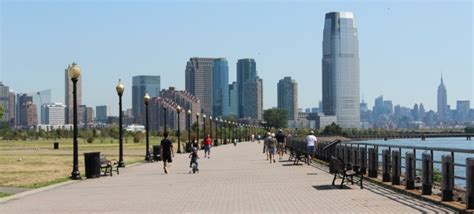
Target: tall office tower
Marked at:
54, 114
233, 99
141, 85
340, 66
462, 110
422, 112
442, 101
199, 81
253, 99
68, 96
23, 99
101, 113
220, 87
246, 71
4, 101
11, 108
288, 97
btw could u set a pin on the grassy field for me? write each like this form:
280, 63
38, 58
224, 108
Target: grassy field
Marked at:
35, 164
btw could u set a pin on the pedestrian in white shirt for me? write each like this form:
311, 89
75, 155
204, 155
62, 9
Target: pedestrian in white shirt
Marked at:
311, 141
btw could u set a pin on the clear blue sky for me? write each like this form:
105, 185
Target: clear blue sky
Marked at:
404, 46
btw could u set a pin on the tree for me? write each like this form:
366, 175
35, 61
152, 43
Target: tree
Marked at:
332, 129
1, 111
277, 118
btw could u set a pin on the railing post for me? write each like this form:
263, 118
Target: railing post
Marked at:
470, 183
363, 159
355, 156
447, 170
410, 170
373, 163
386, 165
396, 167
426, 174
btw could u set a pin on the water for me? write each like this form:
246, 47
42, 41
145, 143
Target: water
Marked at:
459, 158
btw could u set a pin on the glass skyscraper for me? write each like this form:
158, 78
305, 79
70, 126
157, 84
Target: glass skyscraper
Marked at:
340, 66
220, 87
141, 85
246, 71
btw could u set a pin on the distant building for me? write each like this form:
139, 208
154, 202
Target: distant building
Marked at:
442, 101
233, 99
101, 113
253, 99
41, 98
141, 85
462, 110
5, 101
288, 97
199, 81
220, 87
11, 110
28, 115
340, 69
68, 96
325, 120
171, 99
246, 71
54, 114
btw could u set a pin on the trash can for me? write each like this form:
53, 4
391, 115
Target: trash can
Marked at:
156, 153
92, 164
55, 145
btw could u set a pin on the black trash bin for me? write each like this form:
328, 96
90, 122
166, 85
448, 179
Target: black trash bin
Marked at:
92, 164
55, 145
156, 153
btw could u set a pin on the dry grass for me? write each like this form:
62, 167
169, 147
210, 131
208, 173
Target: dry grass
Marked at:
35, 163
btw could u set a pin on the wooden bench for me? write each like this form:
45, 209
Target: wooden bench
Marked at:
346, 171
107, 166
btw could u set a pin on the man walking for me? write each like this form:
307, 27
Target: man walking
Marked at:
281, 140
166, 152
310, 143
207, 146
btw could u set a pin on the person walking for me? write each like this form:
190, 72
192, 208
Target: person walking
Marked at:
195, 143
166, 152
310, 143
281, 140
207, 146
194, 157
271, 147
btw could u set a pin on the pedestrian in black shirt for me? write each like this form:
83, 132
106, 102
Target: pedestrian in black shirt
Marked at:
281, 139
166, 152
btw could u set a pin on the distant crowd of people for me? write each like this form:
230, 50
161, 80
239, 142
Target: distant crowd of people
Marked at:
276, 144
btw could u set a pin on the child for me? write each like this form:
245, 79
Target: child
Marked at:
194, 156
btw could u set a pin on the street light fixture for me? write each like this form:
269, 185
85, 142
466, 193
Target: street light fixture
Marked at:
178, 110
189, 127
204, 126
74, 73
146, 99
120, 88
197, 130
165, 115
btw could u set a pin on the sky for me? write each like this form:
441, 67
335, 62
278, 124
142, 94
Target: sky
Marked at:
404, 46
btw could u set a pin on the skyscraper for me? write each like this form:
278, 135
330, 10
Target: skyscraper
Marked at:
4, 101
141, 85
442, 100
233, 100
68, 96
246, 71
462, 110
41, 98
54, 114
101, 113
199, 81
340, 69
253, 99
288, 97
220, 87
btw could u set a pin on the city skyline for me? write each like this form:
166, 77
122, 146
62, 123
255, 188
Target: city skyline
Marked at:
414, 62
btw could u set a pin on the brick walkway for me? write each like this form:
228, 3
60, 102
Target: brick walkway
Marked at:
235, 180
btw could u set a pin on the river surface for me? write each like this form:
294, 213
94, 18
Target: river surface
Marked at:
458, 143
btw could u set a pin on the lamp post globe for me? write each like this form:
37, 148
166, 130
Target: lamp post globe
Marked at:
74, 73
120, 89
146, 100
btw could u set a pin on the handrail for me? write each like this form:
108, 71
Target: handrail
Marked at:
440, 149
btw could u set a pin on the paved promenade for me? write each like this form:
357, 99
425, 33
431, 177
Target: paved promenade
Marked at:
234, 180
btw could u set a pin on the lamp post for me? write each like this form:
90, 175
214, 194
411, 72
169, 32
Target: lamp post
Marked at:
216, 141
204, 126
222, 132
178, 110
120, 88
74, 73
165, 119
197, 130
189, 126
146, 99
224, 123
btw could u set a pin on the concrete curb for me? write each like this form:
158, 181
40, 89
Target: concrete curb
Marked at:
34, 191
